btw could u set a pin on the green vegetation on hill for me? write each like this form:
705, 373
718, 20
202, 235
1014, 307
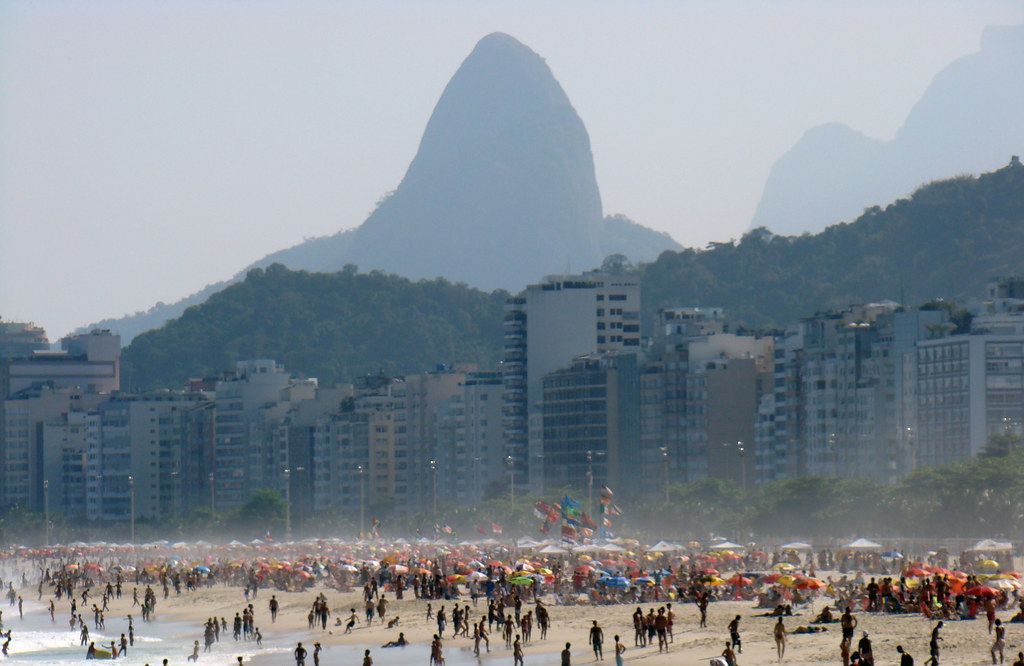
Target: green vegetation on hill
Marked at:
946, 240
333, 326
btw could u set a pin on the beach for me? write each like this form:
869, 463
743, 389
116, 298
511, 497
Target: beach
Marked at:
179, 621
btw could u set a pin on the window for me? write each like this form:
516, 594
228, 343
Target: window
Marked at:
600, 339
617, 297
600, 297
600, 312
600, 325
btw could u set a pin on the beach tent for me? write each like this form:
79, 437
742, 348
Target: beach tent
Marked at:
990, 546
553, 550
664, 547
610, 548
726, 545
863, 544
797, 545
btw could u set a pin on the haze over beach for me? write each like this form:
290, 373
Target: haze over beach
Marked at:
511, 333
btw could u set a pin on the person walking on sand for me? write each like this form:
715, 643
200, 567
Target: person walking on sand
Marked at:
567, 655
367, 659
1000, 641
517, 652
300, 655
1020, 659
905, 658
734, 634
597, 640
620, 649
933, 644
780, 638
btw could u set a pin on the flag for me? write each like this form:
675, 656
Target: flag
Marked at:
496, 528
606, 522
480, 530
568, 533
606, 495
614, 510
587, 521
545, 528
571, 508
447, 529
585, 532
541, 509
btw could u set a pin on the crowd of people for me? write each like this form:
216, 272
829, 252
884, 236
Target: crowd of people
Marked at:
474, 592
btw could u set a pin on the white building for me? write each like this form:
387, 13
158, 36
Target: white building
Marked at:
546, 327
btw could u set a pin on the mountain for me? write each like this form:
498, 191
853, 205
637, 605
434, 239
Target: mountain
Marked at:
947, 239
501, 192
967, 121
331, 326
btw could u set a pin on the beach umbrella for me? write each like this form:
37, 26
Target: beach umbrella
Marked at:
893, 555
399, 569
740, 581
351, 568
988, 564
787, 581
811, 584
644, 580
615, 581
917, 572
783, 566
770, 579
477, 575
521, 580
202, 569
982, 591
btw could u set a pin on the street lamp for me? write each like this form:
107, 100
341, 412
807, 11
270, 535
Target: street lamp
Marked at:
664, 470
511, 477
46, 508
590, 478
287, 504
131, 492
741, 452
362, 504
433, 475
213, 494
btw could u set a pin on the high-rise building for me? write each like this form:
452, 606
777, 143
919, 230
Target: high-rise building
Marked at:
90, 362
699, 398
590, 413
546, 327
21, 339
240, 399
470, 450
143, 447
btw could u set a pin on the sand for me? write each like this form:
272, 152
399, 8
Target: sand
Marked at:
964, 642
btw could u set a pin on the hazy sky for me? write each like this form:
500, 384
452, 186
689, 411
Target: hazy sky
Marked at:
150, 148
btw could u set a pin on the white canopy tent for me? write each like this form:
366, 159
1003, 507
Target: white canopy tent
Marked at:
727, 545
863, 544
553, 550
664, 547
992, 546
796, 545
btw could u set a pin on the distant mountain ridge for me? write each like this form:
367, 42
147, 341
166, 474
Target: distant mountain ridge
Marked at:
501, 192
946, 240
968, 120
